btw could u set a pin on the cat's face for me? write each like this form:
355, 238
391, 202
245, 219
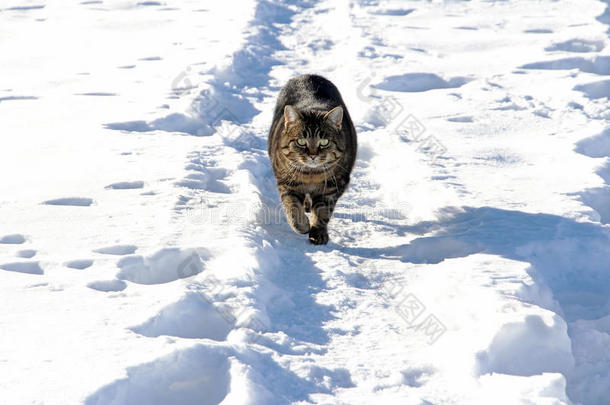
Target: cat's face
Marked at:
312, 141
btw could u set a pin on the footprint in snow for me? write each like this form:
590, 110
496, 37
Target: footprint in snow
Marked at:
599, 65
13, 239
204, 175
209, 179
118, 250
23, 267
26, 253
419, 82
576, 45
108, 285
126, 185
97, 94
317, 45
148, 3
464, 118
368, 52
416, 377
400, 12
174, 122
12, 98
25, 8
70, 201
539, 31
79, 264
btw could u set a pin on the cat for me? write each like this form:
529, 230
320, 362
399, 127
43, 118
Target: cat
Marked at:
312, 147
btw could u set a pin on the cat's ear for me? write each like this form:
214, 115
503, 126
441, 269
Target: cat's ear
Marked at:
291, 115
335, 117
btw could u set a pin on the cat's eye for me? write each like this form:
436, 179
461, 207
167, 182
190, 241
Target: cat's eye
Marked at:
324, 143
301, 142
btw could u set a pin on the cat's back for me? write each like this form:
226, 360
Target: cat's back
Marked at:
308, 92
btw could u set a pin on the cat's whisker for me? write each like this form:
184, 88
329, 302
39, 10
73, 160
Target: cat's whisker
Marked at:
336, 163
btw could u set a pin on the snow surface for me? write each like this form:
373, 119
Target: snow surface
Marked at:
144, 258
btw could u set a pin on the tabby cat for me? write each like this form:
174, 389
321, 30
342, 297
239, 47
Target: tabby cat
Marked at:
312, 147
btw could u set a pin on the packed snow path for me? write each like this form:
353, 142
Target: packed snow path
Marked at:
144, 258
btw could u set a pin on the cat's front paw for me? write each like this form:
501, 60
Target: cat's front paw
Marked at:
318, 236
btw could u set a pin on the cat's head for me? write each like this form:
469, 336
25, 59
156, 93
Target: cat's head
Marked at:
312, 140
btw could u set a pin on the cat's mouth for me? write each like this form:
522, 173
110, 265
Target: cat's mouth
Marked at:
317, 163
313, 162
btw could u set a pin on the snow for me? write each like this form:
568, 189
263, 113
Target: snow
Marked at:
144, 256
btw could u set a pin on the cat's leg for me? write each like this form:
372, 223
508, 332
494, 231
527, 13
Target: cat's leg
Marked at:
322, 210
295, 213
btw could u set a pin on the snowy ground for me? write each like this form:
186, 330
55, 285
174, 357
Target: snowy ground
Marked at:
143, 258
